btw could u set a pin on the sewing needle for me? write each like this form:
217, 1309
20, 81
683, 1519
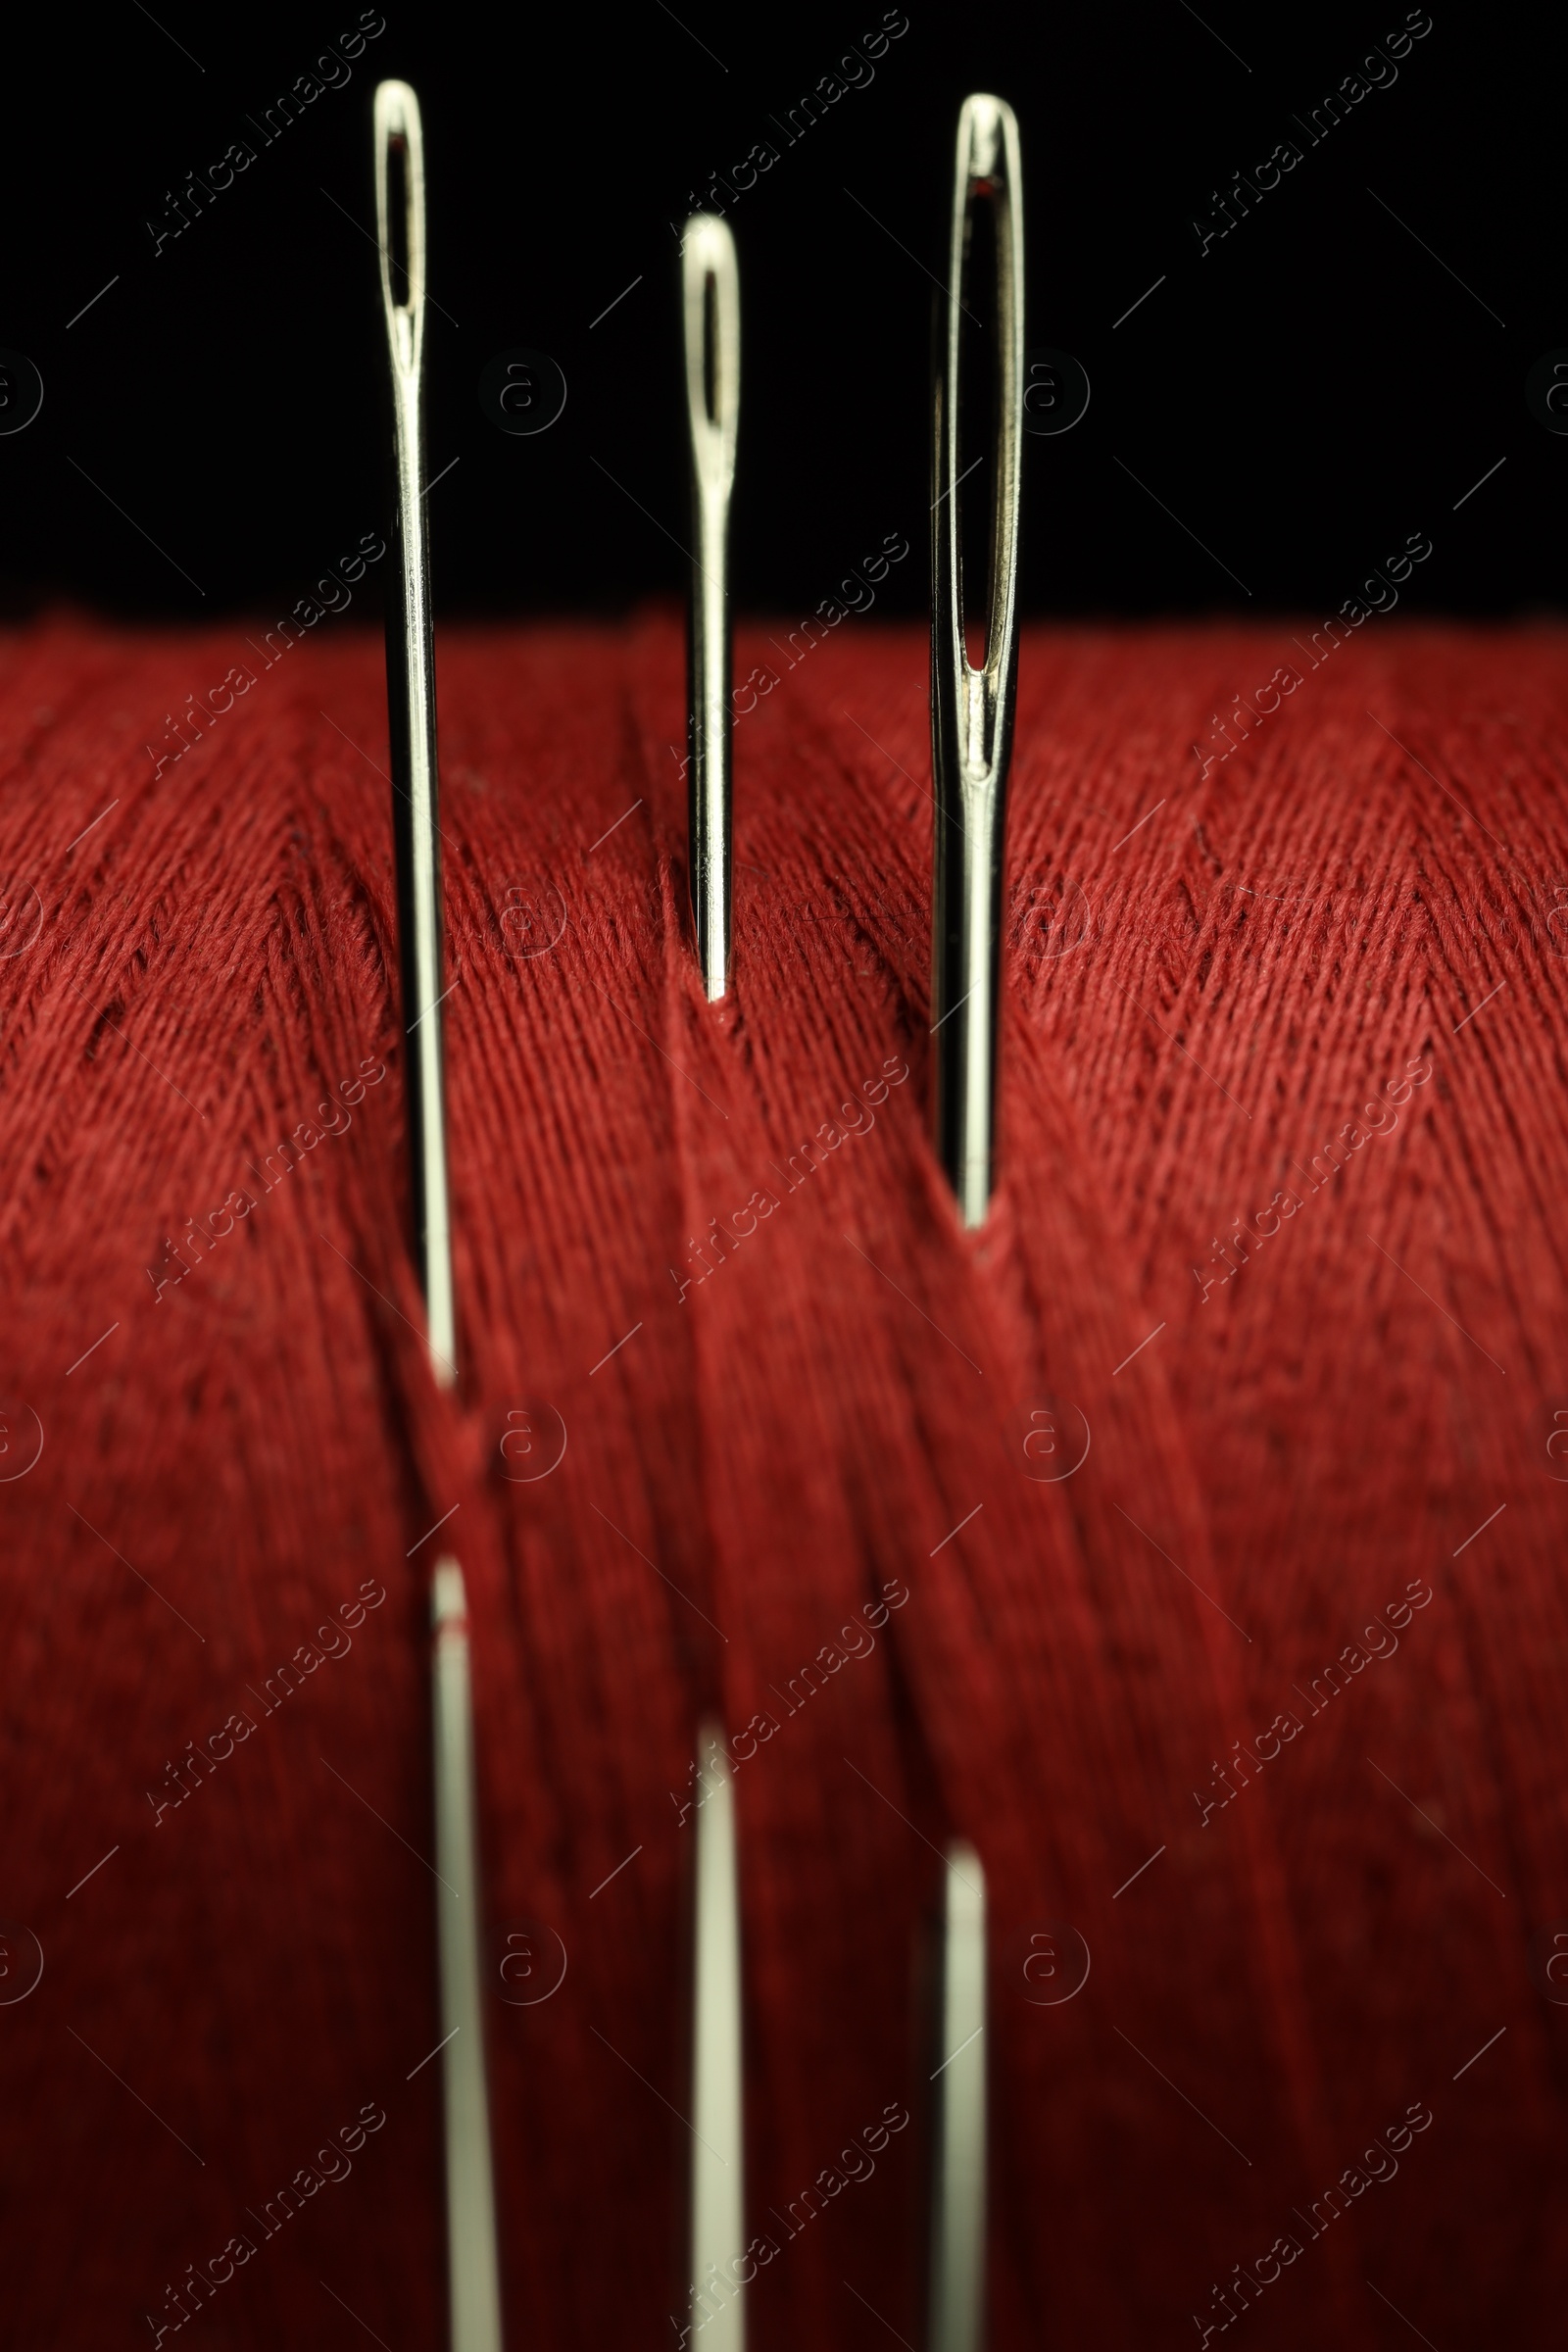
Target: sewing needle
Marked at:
473, 2273
710, 289
972, 709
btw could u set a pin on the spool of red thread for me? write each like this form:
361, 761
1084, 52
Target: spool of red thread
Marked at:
1187, 1539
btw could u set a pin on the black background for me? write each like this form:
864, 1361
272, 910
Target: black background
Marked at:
1303, 397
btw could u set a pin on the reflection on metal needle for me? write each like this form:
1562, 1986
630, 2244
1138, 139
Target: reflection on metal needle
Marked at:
474, 2276
710, 287
472, 2270
717, 2175
958, 2168
972, 709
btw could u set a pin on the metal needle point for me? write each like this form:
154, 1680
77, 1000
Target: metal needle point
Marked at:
473, 2274
710, 289
718, 2170
972, 709
958, 2187
473, 2271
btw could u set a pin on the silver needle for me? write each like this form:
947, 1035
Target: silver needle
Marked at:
972, 709
711, 288
410, 708
472, 2267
